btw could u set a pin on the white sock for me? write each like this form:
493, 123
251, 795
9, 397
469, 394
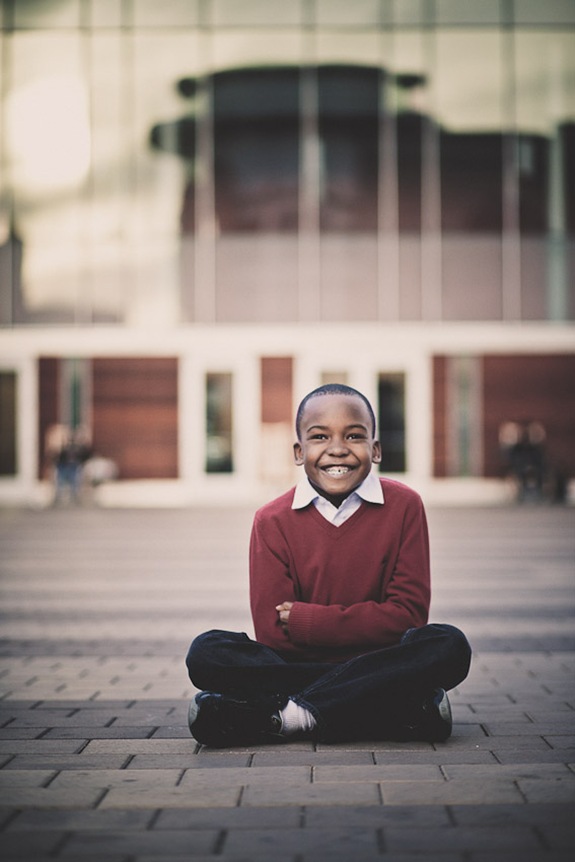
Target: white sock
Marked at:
296, 718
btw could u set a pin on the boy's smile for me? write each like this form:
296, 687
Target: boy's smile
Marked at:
337, 445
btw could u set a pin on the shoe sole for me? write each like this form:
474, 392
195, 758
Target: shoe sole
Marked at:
444, 709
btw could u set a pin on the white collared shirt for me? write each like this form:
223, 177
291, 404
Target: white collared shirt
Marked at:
370, 490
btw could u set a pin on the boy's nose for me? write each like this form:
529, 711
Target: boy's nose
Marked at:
338, 446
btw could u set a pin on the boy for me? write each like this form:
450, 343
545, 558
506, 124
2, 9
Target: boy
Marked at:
339, 594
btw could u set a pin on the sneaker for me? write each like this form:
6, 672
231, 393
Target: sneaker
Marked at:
439, 720
219, 721
434, 723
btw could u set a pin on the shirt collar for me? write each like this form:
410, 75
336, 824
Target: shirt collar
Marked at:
370, 490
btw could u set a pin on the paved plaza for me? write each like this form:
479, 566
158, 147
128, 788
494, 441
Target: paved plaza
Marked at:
98, 608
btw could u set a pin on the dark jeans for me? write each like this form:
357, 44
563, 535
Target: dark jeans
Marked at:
371, 696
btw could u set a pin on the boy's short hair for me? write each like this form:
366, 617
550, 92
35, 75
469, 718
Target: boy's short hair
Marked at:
332, 389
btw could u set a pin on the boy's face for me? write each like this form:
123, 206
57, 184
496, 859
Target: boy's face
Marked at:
337, 446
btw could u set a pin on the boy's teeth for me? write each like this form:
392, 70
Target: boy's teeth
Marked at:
336, 471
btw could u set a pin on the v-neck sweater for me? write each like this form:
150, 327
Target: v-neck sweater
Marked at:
355, 588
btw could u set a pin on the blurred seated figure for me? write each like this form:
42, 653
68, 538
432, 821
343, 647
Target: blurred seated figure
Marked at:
527, 462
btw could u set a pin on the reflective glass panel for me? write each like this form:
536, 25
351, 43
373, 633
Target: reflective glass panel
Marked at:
47, 152
358, 47
168, 13
8, 465
219, 444
391, 422
38, 14
348, 132
255, 100
161, 152
253, 13
545, 103
256, 149
342, 12
470, 108
256, 126
105, 13
551, 12
467, 12
408, 105
264, 47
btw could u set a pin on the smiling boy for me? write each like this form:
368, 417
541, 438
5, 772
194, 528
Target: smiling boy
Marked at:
339, 594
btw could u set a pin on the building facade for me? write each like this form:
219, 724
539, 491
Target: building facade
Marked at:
210, 207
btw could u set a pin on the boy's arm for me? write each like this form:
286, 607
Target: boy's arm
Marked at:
372, 624
270, 584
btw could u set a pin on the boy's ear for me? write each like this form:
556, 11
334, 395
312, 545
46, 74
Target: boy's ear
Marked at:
298, 454
376, 455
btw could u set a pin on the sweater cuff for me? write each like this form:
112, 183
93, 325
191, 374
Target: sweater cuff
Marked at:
300, 626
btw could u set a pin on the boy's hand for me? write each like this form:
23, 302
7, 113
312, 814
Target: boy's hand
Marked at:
283, 613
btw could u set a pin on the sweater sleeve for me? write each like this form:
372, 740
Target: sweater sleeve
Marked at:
373, 624
270, 583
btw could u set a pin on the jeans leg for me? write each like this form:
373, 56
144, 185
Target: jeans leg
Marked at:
232, 663
375, 692
367, 697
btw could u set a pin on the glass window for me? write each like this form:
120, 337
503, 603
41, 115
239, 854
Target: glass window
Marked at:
473, 99
391, 422
342, 12
107, 209
158, 181
348, 125
219, 439
342, 213
410, 106
551, 12
48, 164
96, 208
46, 13
467, 12
253, 13
168, 13
105, 13
256, 151
362, 170
470, 107
464, 456
411, 99
471, 142
8, 465
75, 392
348, 133
264, 47
409, 12
10, 271
544, 70
458, 427
355, 46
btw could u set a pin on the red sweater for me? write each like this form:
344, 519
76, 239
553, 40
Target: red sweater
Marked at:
356, 587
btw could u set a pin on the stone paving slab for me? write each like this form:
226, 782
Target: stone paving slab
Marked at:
96, 761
